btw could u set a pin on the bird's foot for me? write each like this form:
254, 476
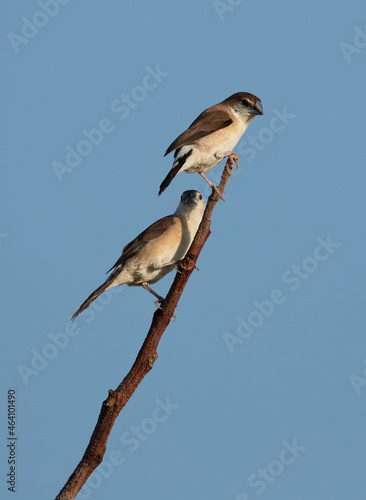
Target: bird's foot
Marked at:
157, 303
187, 264
215, 188
233, 158
212, 185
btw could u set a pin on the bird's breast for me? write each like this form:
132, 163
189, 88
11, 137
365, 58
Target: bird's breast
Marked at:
208, 151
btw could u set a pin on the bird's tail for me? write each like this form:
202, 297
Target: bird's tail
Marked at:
178, 164
91, 298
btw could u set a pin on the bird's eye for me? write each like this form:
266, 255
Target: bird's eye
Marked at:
245, 102
200, 196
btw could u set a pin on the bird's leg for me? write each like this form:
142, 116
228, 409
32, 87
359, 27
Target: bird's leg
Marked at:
170, 263
212, 185
146, 287
233, 158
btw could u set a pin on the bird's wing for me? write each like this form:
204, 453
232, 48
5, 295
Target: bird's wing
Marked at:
206, 123
154, 231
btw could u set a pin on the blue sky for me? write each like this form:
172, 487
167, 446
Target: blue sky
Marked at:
259, 390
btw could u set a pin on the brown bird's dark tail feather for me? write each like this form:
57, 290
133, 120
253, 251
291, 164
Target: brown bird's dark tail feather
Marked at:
178, 164
91, 298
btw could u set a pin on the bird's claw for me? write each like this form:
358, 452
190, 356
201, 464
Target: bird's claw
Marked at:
233, 158
158, 305
177, 268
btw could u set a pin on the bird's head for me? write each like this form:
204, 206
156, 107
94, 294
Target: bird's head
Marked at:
246, 105
190, 201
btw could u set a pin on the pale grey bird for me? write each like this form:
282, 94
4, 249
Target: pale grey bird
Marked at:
212, 136
156, 251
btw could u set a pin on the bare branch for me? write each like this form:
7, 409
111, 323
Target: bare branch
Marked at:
118, 398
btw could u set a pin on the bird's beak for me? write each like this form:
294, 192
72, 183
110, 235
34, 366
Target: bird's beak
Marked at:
257, 109
190, 198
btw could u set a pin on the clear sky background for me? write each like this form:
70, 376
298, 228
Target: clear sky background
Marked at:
249, 398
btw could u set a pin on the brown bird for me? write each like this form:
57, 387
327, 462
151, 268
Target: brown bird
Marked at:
212, 136
156, 251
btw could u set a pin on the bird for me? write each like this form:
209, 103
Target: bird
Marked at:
156, 251
212, 136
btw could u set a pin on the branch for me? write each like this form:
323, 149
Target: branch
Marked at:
118, 398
